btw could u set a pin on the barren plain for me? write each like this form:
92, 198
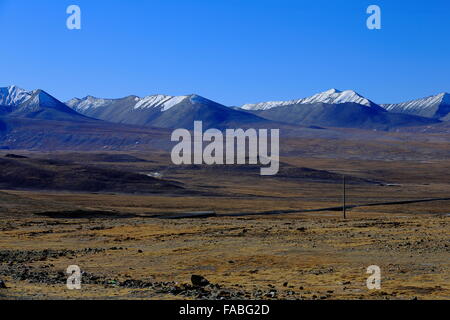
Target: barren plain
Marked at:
281, 237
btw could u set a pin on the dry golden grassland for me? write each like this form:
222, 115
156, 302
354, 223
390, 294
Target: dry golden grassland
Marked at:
315, 255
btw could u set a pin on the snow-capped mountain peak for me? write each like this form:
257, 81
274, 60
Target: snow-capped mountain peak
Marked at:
13, 96
35, 104
332, 96
435, 106
41, 98
421, 103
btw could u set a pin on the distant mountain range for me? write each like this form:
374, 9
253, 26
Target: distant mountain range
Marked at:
28, 118
163, 111
334, 108
435, 107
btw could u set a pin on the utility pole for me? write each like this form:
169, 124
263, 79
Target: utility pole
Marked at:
344, 206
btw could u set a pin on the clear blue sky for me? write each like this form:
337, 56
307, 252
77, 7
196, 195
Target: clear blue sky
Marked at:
231, 51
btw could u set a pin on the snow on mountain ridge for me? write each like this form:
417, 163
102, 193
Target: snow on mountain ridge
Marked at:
14, 96
332, 96
40, 97
87, 103
424, 103
163, 101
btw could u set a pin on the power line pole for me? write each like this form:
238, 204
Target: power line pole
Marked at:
344, 205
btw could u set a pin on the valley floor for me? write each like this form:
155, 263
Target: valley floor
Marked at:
126, 254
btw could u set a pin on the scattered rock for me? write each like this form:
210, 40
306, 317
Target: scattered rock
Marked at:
271, 294
199, 281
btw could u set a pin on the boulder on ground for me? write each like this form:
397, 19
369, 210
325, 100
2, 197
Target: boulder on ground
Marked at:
199, 281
